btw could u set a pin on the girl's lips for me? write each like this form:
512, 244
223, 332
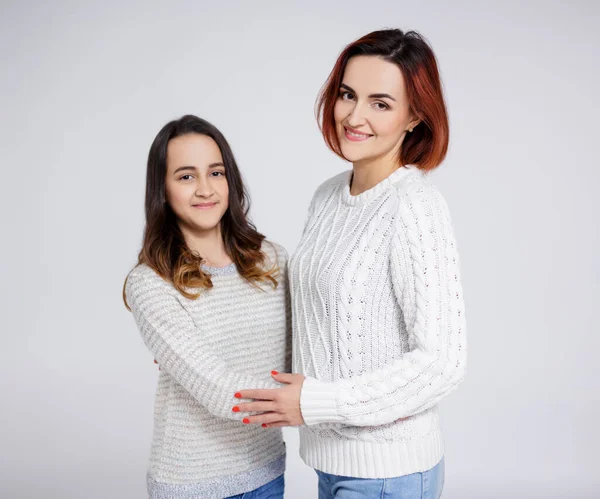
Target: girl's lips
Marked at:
204, 206
355, 136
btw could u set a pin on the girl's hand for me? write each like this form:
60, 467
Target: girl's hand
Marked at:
281, 406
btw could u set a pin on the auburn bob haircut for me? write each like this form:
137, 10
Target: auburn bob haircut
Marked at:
427, 145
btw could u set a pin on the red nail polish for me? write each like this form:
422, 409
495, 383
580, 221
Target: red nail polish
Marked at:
236, 409
238, 395
274, 373
264, 425
245, 421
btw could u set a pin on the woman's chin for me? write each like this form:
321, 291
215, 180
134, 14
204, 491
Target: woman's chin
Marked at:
352, 155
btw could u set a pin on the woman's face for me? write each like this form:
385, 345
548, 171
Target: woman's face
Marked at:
196, 186
372, 113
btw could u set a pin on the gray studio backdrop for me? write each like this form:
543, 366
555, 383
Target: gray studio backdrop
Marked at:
86, 86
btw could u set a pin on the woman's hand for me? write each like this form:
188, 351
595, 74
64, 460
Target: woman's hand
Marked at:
281, 406
156, 362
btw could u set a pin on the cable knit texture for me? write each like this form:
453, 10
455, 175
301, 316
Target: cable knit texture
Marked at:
379, 325
227, 340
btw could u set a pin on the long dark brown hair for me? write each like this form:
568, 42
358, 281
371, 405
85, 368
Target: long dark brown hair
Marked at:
164, 248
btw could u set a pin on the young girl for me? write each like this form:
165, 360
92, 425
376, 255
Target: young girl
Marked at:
209, 296
378, 313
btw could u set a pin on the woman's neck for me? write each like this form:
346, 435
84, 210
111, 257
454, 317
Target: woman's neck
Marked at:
208, 244
368, 173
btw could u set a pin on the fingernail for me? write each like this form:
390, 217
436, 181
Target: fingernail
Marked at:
236, 409
245, 420
264, 425
238, 395
274, 373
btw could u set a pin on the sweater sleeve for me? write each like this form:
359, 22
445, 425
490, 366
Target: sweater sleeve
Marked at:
288, 319
426, 279
170, 334
282, 261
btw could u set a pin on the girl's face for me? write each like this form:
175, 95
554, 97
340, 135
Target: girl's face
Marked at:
372, 113
196, 186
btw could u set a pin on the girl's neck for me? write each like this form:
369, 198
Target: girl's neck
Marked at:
208, 244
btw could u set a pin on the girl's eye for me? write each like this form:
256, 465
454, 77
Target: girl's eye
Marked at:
381, 106
185, 177
346, 95
218, 174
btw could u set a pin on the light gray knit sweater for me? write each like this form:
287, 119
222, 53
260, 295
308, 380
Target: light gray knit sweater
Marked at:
227, 340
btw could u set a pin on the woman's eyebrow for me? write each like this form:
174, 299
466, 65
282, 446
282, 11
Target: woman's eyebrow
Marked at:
372, 96
381, 96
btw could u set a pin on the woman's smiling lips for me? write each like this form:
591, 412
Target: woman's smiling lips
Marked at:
355, 135
204, 206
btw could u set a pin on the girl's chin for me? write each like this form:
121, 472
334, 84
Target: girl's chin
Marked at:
204, 226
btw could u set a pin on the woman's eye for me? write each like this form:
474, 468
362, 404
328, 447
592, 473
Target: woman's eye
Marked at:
381, 106
217, 174
346, 96
185, 177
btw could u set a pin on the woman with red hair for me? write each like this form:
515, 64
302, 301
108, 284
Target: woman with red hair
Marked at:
378, 311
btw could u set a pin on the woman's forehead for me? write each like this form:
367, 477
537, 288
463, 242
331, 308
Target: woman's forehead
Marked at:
372, 75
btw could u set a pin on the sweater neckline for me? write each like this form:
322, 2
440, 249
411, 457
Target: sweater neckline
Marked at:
376, 190
226, 270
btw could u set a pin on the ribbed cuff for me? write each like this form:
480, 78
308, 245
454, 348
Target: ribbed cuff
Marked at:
318, 402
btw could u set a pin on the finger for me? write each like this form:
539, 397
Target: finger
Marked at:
267, 394
268, 417
155, 361
262, 406
282, 377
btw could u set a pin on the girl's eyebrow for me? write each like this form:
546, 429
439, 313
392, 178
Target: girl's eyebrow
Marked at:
193, 168
185, 168
372, 96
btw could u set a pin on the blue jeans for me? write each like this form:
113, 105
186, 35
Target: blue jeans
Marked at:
271, 490
425, 485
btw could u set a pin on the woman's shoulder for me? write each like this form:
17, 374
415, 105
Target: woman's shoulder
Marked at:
418, 196
418, 185
332, 184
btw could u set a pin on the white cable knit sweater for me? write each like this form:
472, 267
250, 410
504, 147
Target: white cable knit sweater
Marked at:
227, 340
379, 325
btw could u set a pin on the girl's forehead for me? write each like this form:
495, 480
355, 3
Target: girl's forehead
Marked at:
193, 150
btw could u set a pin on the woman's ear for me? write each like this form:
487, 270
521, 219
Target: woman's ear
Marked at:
412, 124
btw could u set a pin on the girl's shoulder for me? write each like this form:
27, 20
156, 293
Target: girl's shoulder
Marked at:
275, 253
143, 285
144, 275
